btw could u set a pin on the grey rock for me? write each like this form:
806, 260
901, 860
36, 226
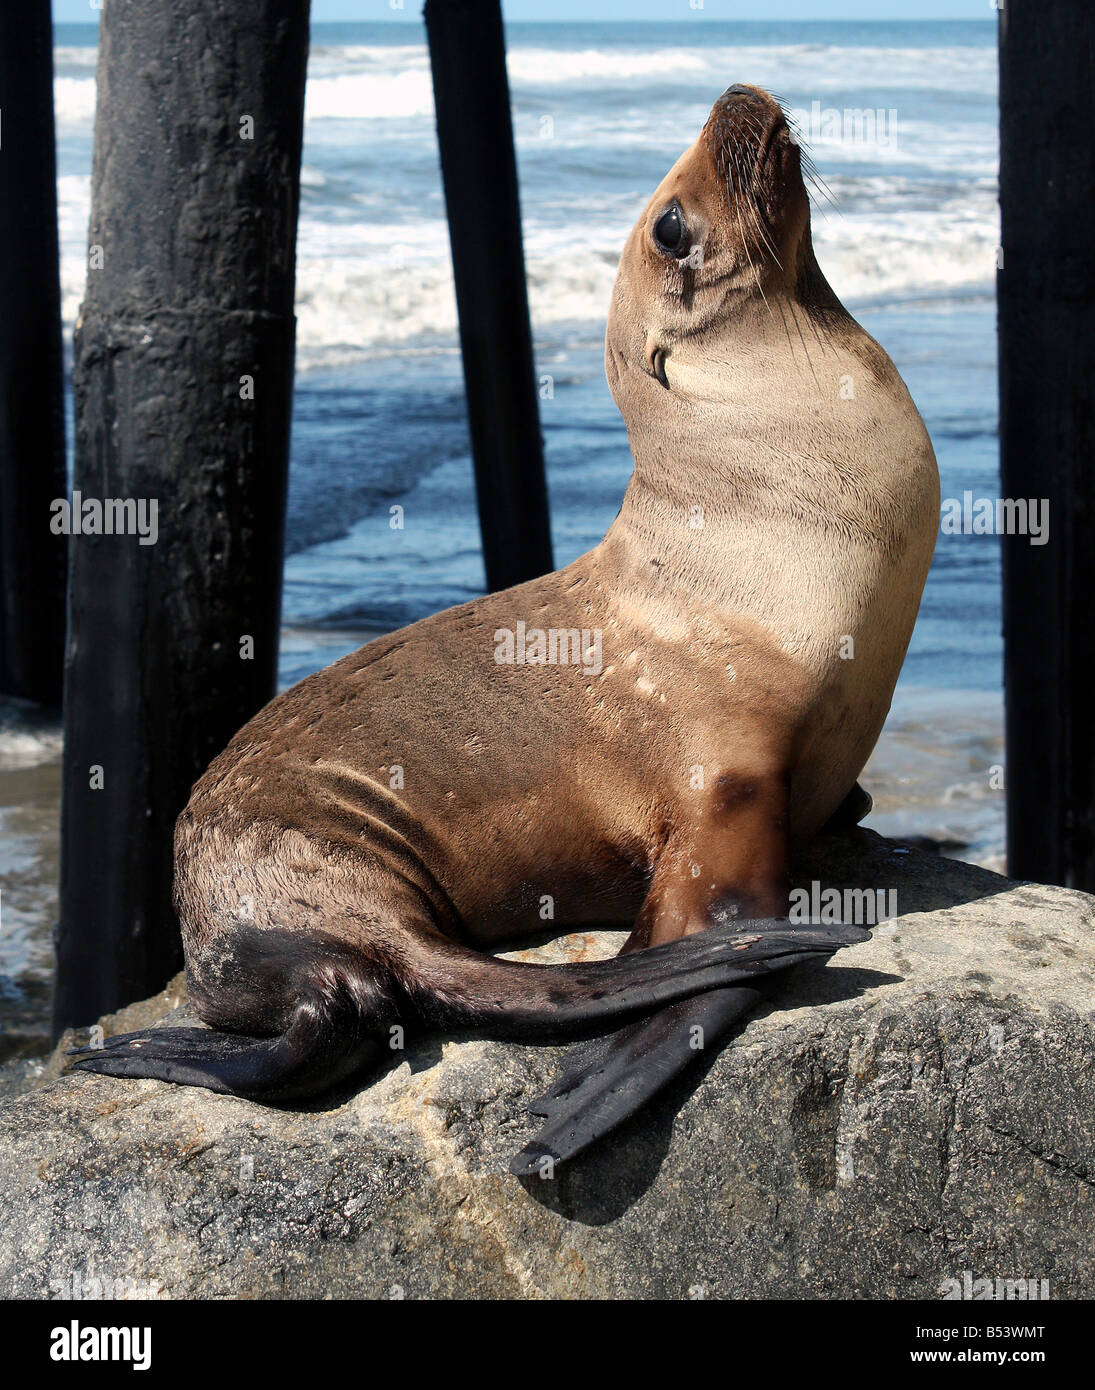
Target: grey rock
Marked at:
922, 1106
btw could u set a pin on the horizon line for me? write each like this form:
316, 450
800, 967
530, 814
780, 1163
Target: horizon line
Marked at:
606, 23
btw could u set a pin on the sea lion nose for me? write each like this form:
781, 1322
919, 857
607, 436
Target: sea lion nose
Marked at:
740, 109
742, 91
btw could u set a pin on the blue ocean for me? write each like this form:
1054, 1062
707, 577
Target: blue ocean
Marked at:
901, 120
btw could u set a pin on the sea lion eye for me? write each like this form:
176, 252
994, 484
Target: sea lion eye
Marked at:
670, 232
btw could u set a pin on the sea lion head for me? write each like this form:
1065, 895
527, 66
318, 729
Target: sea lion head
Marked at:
725, 234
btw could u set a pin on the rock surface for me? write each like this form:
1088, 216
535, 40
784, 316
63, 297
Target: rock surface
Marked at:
922, 1106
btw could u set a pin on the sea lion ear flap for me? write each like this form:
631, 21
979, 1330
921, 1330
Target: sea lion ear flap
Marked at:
655, 359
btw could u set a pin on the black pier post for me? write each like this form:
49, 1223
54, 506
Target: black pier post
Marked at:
183, 382
479, 168
32, 437
1046, 289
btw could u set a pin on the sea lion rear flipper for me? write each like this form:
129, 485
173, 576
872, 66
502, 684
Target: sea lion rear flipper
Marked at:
607, 1080
342, 1006
187, 1056
612, 1078
230, 1063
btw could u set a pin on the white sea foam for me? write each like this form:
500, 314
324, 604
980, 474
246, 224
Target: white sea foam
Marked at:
383, 56
785, 68
74, 100
369, 96
75, 56
542, 66
25, 741
811, 67
73, 206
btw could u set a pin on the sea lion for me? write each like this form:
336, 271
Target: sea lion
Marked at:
641, 737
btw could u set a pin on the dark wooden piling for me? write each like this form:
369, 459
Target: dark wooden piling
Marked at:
1046, 289
479, 169
183, 381
32, 438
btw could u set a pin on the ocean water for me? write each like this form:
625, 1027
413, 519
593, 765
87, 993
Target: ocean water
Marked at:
907, 236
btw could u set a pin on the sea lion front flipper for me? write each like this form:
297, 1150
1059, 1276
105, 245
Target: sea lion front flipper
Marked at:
855, 807
612, 1078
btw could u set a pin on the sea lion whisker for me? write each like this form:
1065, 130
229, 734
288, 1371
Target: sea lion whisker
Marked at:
809, 167
786, 329
820, 186
764, 140
757, 219
753, 210
822, 342
748, 256
802, 340
735, 199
